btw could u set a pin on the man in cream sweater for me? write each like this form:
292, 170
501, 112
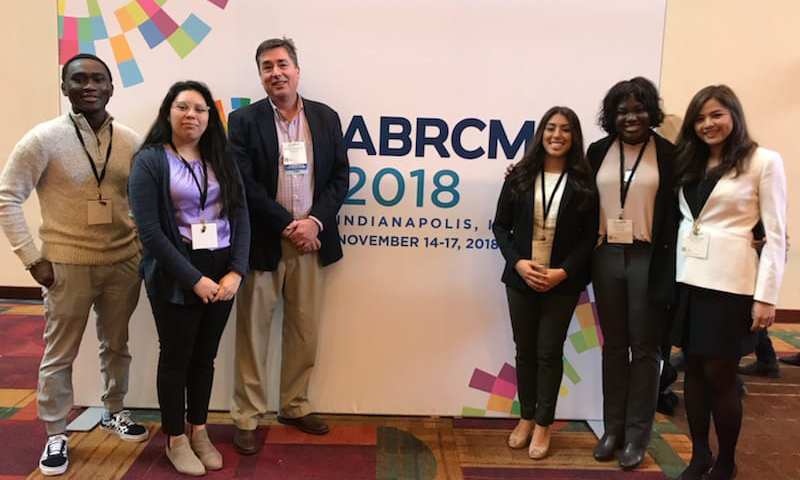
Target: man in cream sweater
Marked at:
79, 165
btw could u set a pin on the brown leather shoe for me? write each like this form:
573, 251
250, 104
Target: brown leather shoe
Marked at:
246, 441
310, 424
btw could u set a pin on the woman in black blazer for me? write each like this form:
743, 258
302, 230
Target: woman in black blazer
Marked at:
633, 266
546, 227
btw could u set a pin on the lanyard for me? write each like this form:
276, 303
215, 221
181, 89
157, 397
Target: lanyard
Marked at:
546, 204
623, 185
202, 189
98, 176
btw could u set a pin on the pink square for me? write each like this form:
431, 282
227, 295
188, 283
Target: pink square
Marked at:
149, 6
66, 50
70, 31
504, 388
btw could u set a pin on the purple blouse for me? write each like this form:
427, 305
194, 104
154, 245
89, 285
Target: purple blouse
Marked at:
186, 200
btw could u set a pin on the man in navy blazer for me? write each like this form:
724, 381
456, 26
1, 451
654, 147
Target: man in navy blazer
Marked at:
292, 157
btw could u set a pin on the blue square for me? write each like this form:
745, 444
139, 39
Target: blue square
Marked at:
150, 33
129, 71
86, 47
98, 28
195, 28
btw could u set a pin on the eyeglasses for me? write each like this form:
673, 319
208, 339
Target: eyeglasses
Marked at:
184, 107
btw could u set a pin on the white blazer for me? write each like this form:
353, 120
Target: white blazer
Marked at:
734, 207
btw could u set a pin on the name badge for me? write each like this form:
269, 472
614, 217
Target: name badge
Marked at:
619, 230
204, 235
541, 252
99, 211
695, 245
294, 158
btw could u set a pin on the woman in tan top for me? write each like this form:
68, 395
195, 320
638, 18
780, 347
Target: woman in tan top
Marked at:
633, 265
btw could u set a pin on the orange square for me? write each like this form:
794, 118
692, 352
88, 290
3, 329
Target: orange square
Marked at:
585, 315
124, 19
499, 404
121, 49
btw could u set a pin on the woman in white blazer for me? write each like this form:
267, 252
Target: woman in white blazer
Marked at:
727, 183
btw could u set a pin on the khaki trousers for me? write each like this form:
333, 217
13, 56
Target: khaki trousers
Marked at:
298, 280
113, 290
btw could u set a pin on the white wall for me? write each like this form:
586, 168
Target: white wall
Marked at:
29, 82
751, 47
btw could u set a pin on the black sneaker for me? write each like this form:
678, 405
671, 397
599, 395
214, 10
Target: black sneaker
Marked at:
54, 457
121, 424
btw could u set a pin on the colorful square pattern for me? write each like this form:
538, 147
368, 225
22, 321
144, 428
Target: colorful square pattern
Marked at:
154, 24
502, 388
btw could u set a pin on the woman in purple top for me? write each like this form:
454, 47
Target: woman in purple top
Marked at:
187, 202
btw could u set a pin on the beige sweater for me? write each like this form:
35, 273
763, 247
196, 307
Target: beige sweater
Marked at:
51, 159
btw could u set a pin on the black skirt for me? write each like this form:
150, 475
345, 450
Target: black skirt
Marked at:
713, 323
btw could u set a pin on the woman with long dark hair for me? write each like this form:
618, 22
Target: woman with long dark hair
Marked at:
726, 291
545, 226
633, 265
187, 202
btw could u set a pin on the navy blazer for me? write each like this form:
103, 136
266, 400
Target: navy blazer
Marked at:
166, 269
661, 276
574, 240
254, 145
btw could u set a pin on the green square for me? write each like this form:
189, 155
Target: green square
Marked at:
472, 412
578, 341
590, 337
570, 372
85, 30
516, 408
161, 2
181, 42
94, 8
60, 26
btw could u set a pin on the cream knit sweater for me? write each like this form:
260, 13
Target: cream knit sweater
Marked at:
51, 159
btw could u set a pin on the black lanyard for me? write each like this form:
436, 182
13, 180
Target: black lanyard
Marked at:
202, 189
546, 204
98, 176
623, 185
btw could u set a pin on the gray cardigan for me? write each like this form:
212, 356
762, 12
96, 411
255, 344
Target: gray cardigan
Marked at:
166, 269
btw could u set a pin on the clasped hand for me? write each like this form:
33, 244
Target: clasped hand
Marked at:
210, 291
538, 277
303, 235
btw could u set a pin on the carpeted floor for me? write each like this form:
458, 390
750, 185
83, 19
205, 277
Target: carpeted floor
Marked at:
380, 447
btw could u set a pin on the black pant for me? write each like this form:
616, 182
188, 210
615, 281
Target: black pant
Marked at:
539, 322
764, 352
188, 337
632, 329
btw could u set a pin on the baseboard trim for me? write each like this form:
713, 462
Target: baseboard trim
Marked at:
21, 293
787, 316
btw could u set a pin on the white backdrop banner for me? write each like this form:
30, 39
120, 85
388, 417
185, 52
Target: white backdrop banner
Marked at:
436, 99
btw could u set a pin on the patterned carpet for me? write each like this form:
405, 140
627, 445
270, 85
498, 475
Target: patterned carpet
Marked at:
358, 447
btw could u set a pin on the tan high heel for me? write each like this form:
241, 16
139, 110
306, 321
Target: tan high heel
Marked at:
182, 457
205, 450
538, 451
521, 435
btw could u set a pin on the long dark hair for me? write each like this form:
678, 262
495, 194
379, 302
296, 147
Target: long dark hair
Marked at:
640, 88
692, 152
579, 173
213, 143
